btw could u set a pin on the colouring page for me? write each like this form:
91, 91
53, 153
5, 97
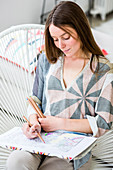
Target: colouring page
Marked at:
60, 143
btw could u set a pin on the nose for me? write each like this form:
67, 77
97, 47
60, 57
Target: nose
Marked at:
61, 44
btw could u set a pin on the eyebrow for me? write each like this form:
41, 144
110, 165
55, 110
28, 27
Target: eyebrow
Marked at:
60, 35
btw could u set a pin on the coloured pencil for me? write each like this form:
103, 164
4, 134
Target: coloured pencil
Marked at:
36, 108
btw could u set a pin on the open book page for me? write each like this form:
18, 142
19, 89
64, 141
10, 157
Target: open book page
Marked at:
60, 143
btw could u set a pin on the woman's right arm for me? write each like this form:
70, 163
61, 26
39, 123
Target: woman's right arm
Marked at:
38, 93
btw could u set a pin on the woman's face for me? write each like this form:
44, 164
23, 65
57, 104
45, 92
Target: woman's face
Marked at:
70, 46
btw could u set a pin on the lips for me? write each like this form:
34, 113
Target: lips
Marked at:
66, 51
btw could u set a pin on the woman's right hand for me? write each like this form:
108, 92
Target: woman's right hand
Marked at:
31, 132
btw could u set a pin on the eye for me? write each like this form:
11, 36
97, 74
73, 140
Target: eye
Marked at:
54, 39
66, 37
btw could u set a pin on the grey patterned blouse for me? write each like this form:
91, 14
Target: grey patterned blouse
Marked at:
88, 96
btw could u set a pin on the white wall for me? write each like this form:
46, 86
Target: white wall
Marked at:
15, 12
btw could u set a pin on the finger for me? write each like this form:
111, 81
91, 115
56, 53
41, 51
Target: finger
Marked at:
25, 127
36, 127
40, 120
43, 121
33, 135
29, 132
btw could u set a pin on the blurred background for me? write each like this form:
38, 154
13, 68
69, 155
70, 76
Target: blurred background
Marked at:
17, 12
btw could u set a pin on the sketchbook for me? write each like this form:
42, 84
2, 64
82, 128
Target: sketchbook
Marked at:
62, 144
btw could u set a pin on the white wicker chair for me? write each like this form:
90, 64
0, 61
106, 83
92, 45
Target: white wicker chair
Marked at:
19, 49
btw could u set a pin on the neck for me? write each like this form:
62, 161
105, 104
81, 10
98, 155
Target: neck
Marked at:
79, 56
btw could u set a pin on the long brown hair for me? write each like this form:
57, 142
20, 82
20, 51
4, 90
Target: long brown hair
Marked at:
68, 13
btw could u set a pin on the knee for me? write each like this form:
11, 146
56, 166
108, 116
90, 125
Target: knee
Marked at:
15, 160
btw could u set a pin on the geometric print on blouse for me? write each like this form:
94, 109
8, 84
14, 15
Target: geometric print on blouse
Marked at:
85, 96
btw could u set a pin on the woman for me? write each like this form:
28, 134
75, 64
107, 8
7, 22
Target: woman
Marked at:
74, 84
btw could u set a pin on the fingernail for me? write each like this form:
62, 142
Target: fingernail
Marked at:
39, 119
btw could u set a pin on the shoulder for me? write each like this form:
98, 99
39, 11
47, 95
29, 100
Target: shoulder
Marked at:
42, 58
107, 70
43, 62
105, 65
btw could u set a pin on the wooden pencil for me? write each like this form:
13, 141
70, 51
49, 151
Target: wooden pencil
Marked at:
36, 108
30, 126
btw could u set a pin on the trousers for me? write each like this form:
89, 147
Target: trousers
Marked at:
23, 160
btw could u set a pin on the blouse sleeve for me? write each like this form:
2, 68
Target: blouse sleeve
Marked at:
39, 83
102, 122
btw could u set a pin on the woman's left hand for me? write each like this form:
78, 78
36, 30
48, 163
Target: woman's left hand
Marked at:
51, 123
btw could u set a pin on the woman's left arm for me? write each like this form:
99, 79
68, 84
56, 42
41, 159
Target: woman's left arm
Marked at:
52, 123
103, 120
